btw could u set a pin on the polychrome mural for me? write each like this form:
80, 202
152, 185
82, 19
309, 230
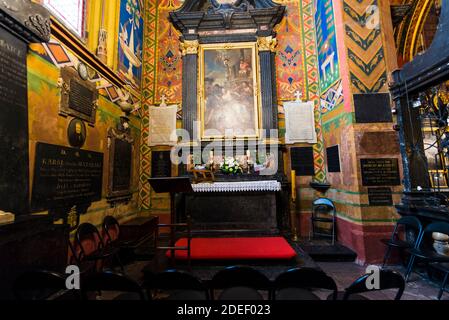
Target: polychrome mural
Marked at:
289, 69
327, 44
130, 41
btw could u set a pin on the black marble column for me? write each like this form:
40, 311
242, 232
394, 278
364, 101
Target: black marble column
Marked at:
268, 91
189, 92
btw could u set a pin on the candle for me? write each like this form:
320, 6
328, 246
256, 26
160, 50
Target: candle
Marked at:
293, 185
211, 154
248, 154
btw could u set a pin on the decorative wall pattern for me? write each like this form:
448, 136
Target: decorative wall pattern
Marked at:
148, 90
327, 44
311, 82
169, 62
289, 68
366, 57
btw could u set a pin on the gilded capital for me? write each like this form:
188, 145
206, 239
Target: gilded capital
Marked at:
267, 43
189, 47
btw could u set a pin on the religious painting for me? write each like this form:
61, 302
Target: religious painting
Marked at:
130, 41
327, 44
229, 91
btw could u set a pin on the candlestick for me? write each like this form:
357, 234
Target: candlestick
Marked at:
293, 185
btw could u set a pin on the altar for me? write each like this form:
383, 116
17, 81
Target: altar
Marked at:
256, 207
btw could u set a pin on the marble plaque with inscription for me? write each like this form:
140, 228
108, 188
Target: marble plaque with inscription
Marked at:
14, 173
64, 177
162, 125
299, 122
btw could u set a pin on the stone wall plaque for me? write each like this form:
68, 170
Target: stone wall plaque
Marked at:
65, 176
380, 172
14, 173
380, 197
160, 164
120, 143
299, 122
78, 97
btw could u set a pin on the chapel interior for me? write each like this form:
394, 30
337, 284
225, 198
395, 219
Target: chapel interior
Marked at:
224, 149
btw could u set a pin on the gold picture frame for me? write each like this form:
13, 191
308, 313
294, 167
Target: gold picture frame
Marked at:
229, 91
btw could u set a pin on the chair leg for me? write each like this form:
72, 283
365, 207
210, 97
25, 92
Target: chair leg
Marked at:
409, 267
443, 286
387, 255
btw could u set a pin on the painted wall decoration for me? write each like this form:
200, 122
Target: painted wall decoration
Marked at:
368, 69
289, 68
327, 44
130, 42
169, 61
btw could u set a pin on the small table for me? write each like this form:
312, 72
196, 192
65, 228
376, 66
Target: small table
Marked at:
138, 230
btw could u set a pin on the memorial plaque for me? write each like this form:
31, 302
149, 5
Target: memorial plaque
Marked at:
64, 177
302, 161
380, 197
160, 164
14, 173
78, 97
333, 159
121, 176
380, 172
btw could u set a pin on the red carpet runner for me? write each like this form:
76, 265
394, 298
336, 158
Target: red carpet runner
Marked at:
266, 248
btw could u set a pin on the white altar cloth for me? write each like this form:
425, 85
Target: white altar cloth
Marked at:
269, 185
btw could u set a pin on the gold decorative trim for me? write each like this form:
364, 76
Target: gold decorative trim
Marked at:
267, 43
189, 47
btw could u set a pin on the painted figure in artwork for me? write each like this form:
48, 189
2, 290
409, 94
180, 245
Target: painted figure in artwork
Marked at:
130, 41
230, 105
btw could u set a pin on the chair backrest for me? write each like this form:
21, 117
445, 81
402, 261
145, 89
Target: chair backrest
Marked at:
323, 203
111, 229
388, 279
38, 285
305, 278
441, 227
240, 276
87, 232
111, 281
173, 279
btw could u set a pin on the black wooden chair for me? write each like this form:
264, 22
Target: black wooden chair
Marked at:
109, 281
388, 279
97, 251
178, 284
240, 283
324, 212
396, 242
43, 285
424, 251
298, 283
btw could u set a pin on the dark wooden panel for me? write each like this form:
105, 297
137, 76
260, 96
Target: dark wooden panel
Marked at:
14, 172
380, 172
372, 107
333, 159
302, 161
65, 176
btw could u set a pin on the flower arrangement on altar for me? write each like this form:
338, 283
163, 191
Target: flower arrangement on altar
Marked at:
231, 166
